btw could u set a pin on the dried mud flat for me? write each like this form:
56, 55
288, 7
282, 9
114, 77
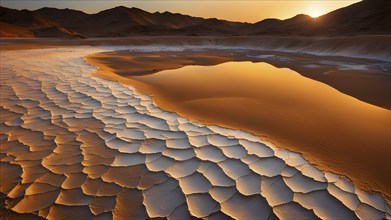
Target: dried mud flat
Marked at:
78, 146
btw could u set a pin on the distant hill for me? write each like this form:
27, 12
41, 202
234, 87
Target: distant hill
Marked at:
24, 23
365, 17
362, 18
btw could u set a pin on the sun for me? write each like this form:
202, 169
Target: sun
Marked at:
315, 11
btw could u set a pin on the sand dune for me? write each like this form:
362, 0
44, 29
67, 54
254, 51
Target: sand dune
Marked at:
77, 146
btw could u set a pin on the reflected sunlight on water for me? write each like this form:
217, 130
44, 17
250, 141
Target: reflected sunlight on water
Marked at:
292, 110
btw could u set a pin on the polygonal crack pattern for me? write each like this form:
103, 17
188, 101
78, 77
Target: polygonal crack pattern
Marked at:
77, 146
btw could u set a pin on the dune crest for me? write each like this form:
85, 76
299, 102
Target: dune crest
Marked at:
74, 145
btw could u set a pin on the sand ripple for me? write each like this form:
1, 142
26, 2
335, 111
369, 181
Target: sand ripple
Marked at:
77, 146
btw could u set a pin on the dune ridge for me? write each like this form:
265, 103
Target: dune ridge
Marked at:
73, 145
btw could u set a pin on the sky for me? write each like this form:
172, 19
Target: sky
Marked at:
233, 10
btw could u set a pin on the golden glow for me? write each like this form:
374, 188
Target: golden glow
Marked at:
318, 8
244, 11
315, 11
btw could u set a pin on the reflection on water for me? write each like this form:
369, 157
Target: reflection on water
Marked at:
295, 111
261, 82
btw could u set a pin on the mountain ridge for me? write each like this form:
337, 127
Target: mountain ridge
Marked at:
367, 17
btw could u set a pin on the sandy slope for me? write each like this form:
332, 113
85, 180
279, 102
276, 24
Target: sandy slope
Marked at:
74, 145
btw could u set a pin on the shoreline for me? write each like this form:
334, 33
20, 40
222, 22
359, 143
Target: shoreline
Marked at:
372, 47
111, 73
368, 82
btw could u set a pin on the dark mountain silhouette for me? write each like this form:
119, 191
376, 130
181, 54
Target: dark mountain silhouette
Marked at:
121, 21
293, 26
368, 17
15, 23
365, 17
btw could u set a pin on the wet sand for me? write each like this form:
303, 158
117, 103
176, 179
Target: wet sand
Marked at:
333, 130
